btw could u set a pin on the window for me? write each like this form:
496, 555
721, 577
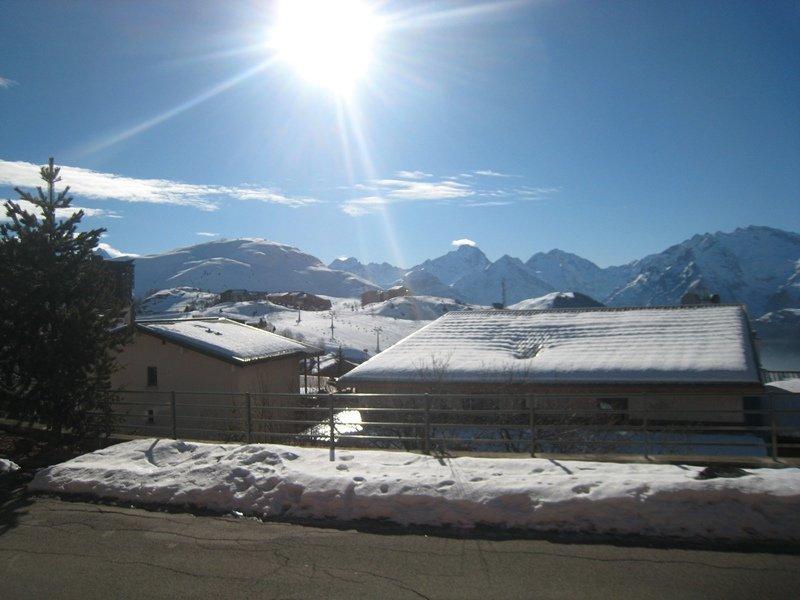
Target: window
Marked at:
152, 377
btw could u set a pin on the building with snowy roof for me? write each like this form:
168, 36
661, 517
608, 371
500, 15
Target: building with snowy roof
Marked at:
209, 355
698, 356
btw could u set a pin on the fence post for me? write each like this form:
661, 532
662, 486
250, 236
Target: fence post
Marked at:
173, 412
249, 417
774, 429
426, 440
533, 426
332, 425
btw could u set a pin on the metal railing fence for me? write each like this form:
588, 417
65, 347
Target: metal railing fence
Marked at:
646, 424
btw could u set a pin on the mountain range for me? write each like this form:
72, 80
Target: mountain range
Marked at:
757, 266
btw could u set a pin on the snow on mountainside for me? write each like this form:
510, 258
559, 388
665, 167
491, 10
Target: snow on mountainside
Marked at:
567, 271
557, 300
746, 266
176, 300
422, 283
252, 264
485, 286
788, 295
383, 274
417, 308
455, 265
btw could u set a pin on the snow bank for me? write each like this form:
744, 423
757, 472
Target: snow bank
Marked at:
534, 494
8, 466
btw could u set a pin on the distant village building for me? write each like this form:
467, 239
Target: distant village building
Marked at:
695, 298
373, 296
694, 357
300, 301
242, 296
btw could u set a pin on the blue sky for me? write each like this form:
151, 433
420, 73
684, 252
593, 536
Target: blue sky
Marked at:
610, 129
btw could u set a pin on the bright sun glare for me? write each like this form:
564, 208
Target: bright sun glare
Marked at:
329, 43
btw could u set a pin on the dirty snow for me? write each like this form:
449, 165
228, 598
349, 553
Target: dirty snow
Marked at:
8, 466
534, 494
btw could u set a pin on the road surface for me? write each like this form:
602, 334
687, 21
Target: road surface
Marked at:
55, 549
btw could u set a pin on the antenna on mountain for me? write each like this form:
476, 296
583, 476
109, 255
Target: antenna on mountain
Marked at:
503, 288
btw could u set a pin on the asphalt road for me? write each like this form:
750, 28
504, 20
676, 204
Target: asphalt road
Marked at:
55, 549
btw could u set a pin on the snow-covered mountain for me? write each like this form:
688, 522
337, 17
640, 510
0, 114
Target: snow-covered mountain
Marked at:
567, 271
253, 264
788, 295
486, 286
422, 283
748, 266
455, 265
383, 274
557, 300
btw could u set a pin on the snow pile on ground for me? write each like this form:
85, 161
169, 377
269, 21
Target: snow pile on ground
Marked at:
535, 494
8, 466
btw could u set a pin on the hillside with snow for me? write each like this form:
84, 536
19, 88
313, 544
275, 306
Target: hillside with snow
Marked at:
252, 264
355, 328
557, 300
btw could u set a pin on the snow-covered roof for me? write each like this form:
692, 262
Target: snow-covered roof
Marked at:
226, 339
791, 386
698, 344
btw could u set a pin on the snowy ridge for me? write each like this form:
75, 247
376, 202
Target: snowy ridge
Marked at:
598, 345
556, 300
384, 274
524, 493
252, 264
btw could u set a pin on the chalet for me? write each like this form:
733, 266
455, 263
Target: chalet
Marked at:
208, 367
699, 356
209, 355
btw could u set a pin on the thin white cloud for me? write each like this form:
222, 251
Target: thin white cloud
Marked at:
357, 207
6, 83
110, 186
490, 173
489, 203
413, 175
61, 213
207, 233
392, 191
463, 242
424, 190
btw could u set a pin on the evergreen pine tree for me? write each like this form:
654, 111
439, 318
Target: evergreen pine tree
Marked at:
59, 315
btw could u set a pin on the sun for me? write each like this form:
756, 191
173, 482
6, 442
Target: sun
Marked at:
328, 43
